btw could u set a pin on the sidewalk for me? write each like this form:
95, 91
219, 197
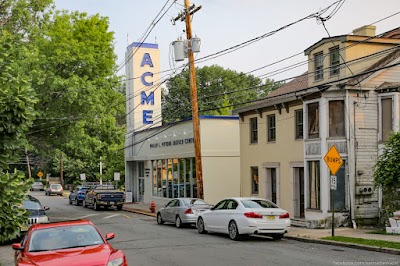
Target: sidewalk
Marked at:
305, 234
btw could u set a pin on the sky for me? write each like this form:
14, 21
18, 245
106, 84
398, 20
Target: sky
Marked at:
221, 24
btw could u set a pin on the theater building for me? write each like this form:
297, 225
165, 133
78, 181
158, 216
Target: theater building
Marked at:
160, 159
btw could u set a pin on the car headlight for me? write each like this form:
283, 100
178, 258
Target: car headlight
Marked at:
116, 262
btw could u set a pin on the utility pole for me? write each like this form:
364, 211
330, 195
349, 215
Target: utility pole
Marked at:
101, 172
62, 170
195, 108
27, 162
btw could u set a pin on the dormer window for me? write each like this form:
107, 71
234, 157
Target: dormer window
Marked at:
334, 61
319, 66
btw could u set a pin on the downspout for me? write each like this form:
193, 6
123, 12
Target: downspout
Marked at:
355, 166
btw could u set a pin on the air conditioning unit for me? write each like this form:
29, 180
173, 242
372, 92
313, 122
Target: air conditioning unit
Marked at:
364, 190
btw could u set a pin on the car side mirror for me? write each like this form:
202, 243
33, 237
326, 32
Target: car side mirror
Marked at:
110, 236
46, 208
17, 246
212, 208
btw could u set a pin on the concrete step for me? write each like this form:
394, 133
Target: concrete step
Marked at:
298, 222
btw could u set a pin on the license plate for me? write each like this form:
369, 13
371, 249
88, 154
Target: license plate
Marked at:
269, 217
111, 202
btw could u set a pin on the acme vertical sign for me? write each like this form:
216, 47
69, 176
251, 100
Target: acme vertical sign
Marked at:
146, 93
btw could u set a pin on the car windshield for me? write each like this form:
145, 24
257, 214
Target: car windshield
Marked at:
38, 184
256, 203
55, 186
64, 237
31, 205
189, 202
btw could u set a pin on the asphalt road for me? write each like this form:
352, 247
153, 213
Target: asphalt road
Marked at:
146, 243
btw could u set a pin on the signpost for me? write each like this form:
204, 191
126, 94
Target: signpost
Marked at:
334, 162
40, 175
83, 177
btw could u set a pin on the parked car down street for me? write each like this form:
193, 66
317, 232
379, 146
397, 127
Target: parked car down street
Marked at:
37, 213
239, 217
182, 211
54, 189
71, 243
37, 186
77, 195
104, 195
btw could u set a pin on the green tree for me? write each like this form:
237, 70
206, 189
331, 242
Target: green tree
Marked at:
80, 106
216, 87
17, 101
13, 188
387, 176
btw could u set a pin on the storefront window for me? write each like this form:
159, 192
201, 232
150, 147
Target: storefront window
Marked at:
194, 182
175, 176
159, 179
164, 178
154, 169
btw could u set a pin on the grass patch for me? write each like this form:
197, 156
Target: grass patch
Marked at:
362, 241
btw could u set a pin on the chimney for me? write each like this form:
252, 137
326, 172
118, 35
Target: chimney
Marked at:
367, 30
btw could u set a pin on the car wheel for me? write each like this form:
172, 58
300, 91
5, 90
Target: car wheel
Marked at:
95, 206
233, 231
277, 236
178, 222
159, 219
119, 207
84, 204
200, 226
76, 202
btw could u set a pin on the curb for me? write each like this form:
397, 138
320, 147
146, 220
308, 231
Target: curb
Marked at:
343, 244
139, 211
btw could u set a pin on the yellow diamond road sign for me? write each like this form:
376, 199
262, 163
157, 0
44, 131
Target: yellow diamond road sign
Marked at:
333, 160
40, 174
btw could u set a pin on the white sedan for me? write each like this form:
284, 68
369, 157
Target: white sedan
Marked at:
245, 216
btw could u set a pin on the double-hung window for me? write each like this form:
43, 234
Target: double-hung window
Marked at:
254, 180
313, 185
336, 119
318, 66
253, 130
387, 120
313, 120
299, 124
271, 127
334, 57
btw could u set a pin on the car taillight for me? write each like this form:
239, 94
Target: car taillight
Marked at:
284, 216
188, 211
252, 215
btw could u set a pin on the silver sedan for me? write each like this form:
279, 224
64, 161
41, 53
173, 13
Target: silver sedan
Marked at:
182, 211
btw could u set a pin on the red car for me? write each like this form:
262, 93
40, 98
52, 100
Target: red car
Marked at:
70, 243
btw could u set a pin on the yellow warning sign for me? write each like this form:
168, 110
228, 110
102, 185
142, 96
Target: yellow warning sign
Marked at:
333, 160
40, 174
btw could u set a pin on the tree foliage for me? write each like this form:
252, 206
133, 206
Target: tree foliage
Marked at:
387, 176
79, 103
219, 91
13, 188
17, 112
